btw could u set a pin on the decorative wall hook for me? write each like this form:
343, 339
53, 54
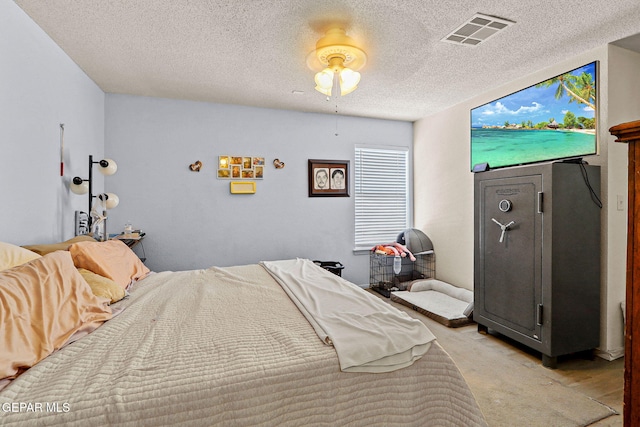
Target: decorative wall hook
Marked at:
195, 167
278, 164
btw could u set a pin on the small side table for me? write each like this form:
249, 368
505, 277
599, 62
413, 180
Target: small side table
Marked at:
132, 240
334, 267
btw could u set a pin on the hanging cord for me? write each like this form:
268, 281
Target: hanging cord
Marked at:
61, 149
336, 111
335, 94
336, 118
585, 176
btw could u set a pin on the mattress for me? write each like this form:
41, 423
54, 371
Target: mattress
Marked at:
225, 346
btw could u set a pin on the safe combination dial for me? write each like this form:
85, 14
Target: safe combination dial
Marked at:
505, 205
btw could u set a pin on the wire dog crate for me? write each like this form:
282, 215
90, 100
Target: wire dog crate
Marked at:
383, 279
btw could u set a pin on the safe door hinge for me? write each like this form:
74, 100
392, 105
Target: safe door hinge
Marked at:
540, 200
539, 315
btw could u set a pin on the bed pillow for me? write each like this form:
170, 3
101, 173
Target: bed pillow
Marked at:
102, 286
62, 246
42, 304
12, 255
112, 259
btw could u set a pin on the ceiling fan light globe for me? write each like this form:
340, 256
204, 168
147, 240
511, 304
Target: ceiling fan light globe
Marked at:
323, 90
324, 78
349, 80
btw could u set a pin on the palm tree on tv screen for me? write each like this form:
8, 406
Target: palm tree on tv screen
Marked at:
581, 89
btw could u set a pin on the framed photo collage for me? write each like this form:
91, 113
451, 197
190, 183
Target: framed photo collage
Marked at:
240, 167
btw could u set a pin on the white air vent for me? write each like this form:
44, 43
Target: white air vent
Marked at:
477, 29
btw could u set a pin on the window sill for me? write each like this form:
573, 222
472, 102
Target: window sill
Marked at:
362, 251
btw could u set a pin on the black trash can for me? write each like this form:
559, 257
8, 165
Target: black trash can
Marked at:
333, 266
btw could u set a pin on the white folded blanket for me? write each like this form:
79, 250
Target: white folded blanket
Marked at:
369, 335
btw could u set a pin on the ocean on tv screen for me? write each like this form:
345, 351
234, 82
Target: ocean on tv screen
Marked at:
499, 148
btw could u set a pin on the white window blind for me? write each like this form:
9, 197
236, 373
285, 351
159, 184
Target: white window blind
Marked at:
381, 195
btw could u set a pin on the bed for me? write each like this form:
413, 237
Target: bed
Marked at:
228, 346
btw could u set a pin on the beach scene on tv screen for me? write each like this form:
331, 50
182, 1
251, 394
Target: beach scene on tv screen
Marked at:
554, 119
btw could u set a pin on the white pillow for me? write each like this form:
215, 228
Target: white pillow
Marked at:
12, 255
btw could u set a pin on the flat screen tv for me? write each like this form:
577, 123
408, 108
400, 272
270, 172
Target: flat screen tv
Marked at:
551, 120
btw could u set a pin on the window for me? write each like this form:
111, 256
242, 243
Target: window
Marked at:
381, 195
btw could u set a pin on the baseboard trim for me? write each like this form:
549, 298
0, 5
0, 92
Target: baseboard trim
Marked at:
610, 355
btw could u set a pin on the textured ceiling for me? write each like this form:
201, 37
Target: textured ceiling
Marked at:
252, 52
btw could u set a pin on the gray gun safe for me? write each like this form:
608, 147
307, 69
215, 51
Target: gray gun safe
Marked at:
537, 256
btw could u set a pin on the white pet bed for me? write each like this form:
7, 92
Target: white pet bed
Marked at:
438, 300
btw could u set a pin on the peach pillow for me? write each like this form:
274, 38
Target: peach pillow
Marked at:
43, 303
112, 259
12, 255
44, 249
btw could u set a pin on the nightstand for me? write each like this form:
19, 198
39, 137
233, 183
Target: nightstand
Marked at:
132, 240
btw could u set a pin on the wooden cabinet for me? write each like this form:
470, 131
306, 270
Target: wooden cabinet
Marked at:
537, 256
630, 133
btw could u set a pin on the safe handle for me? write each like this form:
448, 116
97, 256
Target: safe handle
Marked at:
539, 315
540, 199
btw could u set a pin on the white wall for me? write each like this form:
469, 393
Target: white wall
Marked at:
443, 192
41, 88
624, 106
444, 186
191, 219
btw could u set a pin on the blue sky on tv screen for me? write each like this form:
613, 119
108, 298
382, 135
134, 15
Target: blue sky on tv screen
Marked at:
537, 104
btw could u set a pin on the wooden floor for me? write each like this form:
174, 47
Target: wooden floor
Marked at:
599, 379
594, 377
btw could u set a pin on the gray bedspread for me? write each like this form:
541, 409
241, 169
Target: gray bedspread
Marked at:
225, 346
